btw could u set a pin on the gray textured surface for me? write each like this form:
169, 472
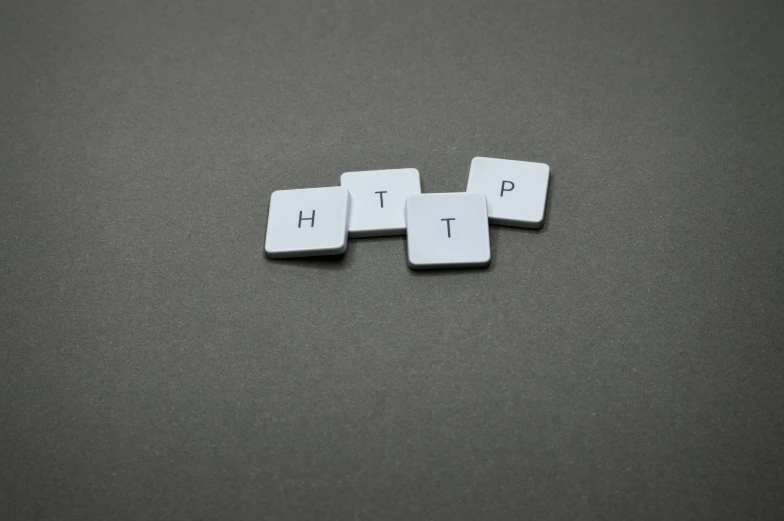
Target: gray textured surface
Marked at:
623, 363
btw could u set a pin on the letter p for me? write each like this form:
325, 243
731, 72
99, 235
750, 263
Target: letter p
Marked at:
504, 187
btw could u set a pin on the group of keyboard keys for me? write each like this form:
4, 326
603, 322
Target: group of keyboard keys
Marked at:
444, 230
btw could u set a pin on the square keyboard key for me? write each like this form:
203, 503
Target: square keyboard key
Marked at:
378, 200
447, 231
307, 222
516, 191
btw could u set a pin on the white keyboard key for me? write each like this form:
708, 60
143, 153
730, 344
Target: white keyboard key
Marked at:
307, 222
378, 200
447, 231
516, 191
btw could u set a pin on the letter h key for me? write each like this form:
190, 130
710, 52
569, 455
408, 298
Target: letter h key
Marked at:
330, 237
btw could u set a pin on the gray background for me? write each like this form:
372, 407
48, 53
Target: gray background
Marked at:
625, 362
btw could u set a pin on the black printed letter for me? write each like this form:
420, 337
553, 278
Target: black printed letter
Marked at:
381, 195
448, 227
312, 219
503, 189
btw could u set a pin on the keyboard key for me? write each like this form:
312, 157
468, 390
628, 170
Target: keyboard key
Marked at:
307, 222
447, 231
516, 191
378, 200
